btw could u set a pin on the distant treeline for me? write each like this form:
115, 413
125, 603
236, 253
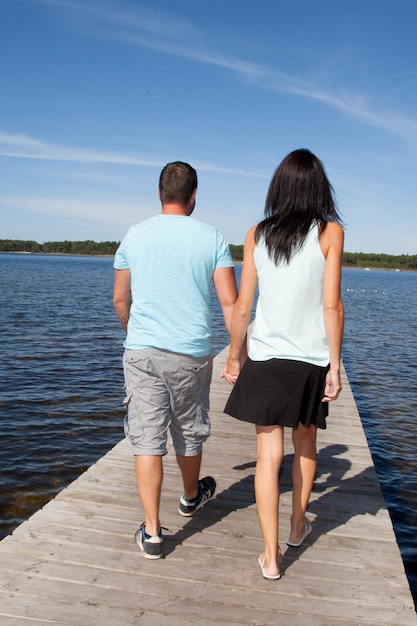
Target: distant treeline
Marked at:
60, 247
350, 259
386, 261
360, 259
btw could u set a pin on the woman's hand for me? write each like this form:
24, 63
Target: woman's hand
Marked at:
333, 385
231, 370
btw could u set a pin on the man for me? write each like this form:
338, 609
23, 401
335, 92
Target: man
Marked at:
164, 269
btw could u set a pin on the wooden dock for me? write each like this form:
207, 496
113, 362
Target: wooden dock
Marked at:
75, 562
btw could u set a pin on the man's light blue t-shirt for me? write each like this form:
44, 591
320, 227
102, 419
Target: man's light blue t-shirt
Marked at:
171, 259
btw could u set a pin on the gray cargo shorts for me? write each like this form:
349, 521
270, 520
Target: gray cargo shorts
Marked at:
166, 391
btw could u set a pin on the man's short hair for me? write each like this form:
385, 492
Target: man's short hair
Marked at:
177, 183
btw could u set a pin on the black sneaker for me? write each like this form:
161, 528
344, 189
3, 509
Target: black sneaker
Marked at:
150, 545
206, 489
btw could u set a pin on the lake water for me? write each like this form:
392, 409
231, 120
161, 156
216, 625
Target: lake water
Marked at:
61, 380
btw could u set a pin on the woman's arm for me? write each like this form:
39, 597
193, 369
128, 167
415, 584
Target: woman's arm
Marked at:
333, 312
242, 311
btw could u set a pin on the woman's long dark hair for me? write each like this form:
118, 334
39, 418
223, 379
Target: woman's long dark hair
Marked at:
299, 196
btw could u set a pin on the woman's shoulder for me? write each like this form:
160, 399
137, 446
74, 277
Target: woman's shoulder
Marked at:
332, 237
250, 236
333, 231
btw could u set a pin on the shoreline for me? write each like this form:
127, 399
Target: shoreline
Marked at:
236, 261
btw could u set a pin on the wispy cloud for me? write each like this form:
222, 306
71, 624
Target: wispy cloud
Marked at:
25, 147
118, 20
99, 209
352, 104
166, 33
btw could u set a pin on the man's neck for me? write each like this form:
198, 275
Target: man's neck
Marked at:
175, 209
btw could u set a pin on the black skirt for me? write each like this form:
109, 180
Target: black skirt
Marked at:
279, 392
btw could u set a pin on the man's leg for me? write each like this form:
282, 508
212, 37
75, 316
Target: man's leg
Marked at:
146, 425
190, 470
188, 379
149, 474
196, 491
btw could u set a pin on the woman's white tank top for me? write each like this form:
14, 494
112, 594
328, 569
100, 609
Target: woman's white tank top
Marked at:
289, 313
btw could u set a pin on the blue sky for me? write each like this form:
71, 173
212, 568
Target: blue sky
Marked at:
96, 96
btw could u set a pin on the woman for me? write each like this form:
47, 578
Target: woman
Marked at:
294, 257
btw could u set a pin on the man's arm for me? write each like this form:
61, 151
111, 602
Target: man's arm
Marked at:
224, 280
122, 296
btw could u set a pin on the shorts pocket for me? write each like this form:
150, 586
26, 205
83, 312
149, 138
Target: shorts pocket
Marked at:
202, 425
191, 377
137, 368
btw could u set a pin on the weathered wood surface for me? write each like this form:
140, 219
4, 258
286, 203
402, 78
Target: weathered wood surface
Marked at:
75, 561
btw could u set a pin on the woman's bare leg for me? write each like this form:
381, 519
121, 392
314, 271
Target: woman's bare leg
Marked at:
269, 459
303, 474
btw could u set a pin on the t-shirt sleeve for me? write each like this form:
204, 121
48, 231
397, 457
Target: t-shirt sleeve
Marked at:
120, 260
223, 256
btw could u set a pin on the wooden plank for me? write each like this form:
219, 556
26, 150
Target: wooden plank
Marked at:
75, 561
